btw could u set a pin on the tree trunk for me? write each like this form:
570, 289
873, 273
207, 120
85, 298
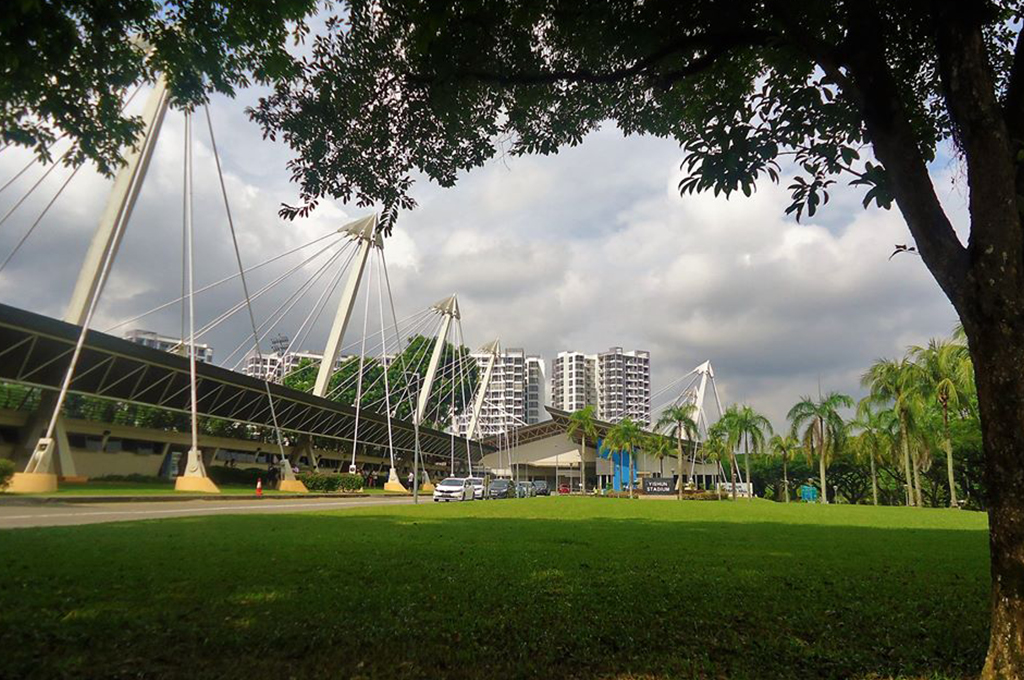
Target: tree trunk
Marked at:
583, 469
874, 478
732, 472
948, 445
679, 467
632, 472
905, 445
821, 463
918, 496
785, 479
999, 362
746, 466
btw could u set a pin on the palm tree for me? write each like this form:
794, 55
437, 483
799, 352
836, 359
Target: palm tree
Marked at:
683, 419
746, 426
947, 377
824, 429
784, 446
894, 382
625, 437
582, 423
660, 447
875, 436
716, 448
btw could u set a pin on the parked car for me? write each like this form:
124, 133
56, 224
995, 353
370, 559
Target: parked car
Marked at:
563, 489
527, 489
454, 489
542, 487
502, 488
478, 488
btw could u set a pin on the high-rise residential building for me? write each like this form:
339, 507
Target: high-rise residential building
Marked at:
616, 383
515, 394
166, 343
624, 386
574, 381
279, 362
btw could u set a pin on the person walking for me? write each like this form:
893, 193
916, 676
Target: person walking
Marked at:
412, 480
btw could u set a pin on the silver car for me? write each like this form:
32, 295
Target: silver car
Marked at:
454, 489
478, 488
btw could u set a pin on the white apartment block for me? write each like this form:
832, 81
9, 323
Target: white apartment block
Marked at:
275, 365
515, 395
616, 383
166, 343
574, 381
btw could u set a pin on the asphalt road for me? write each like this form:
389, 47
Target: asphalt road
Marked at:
65, 514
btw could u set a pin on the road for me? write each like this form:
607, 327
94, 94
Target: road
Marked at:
70, 513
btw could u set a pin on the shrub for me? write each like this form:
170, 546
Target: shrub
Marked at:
6, 472
222, 475
132, 478
329, 482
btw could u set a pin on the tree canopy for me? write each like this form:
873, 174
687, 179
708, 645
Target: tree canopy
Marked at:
68, 65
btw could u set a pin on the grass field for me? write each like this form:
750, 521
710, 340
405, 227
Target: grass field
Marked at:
544, 587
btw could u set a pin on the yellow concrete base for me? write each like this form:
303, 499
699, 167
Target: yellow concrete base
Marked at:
74, 479
32, 482
201, 484
427, 488
292, 486
395, 486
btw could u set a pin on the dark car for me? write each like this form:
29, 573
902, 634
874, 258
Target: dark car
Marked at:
502, 488
542, 487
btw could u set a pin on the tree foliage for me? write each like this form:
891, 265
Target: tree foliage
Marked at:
69, 65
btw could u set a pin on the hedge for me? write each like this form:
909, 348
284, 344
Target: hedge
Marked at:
222, 475
327, 482
6, 472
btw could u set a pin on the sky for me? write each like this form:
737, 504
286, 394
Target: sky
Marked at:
584, 250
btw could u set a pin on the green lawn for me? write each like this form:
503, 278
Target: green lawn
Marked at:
545, 587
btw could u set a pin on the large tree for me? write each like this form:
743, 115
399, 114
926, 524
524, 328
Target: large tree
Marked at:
823, 429
748, 427
683, 419
947, 378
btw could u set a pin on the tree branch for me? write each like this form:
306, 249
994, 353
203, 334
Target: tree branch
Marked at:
969, 86
871, 84
711, 45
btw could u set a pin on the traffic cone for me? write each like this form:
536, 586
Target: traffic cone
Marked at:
259, 487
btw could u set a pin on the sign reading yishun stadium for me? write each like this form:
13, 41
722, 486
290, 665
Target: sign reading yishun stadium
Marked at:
659, 486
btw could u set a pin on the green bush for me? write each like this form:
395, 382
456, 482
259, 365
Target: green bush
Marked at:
132, 478
222, 475
6, 472
329, 482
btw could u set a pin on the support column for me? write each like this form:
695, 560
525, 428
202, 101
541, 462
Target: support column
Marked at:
194, 478
492, 348
39, 474
365, 231
119, 204
449, 308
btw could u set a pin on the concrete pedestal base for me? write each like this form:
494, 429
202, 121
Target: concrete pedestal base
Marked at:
32, 482
292, 486
393, 484
427, 488
201, 484
73, 479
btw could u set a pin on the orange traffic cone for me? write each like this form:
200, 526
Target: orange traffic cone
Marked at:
259, 487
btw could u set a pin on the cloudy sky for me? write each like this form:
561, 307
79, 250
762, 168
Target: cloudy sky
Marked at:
584, 250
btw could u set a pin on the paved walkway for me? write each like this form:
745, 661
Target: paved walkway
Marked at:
71, 513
